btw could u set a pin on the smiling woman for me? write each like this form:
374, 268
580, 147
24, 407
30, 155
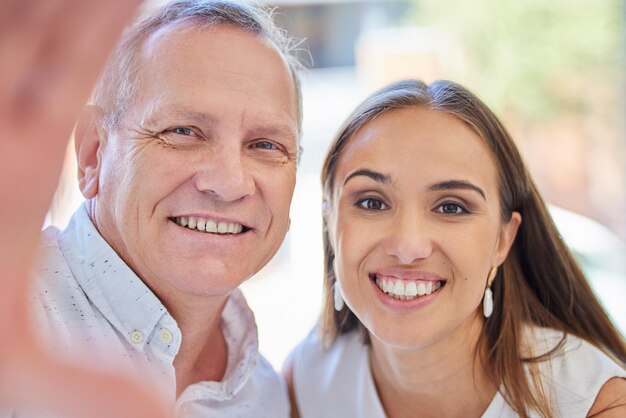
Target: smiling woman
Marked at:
460, 297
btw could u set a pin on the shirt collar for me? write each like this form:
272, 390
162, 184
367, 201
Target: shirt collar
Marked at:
114, 289
240, 333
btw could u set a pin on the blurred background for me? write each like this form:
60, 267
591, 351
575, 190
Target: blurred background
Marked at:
555, 71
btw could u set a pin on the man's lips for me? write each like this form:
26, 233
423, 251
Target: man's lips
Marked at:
210, 225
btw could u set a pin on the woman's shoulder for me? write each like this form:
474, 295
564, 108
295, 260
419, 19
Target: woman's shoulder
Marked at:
314, 363
575, 369
570, 354
334, 380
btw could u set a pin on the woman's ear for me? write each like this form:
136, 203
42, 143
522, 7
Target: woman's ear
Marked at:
328, 220
89, 140
325, 209
506, 238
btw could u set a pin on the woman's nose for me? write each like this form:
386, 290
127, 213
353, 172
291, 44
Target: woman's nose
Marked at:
409, 238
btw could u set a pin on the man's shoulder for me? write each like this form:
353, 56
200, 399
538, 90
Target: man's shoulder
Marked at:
264, 372
51, 269
49, 244
57, 299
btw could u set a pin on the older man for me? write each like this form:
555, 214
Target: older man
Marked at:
187, 157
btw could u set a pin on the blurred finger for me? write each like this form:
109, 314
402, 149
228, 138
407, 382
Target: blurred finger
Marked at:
37, 123
42, 383
86, 394
25, 27
70, 60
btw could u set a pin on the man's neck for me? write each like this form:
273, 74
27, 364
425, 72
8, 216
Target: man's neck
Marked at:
203, 354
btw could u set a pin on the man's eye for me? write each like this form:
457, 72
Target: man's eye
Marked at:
265, 145
183, 131
372, 204
451, 209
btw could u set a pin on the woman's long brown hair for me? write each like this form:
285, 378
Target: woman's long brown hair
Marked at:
540, 283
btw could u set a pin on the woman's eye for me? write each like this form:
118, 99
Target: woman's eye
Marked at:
372, 204
451, 209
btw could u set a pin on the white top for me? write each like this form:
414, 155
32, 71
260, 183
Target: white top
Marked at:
91, 307
338, 382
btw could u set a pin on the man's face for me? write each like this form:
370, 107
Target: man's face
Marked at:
196, 182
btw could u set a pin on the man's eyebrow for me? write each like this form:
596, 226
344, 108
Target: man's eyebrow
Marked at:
456, 184
281, 131
374, 175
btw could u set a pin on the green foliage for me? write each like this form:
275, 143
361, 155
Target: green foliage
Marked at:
534, 57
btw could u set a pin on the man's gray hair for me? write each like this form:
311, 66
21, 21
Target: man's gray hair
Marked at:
118, 83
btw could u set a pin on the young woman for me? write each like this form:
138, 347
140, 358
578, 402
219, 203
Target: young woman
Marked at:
461, 300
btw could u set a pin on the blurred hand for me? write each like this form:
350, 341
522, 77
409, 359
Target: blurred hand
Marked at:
51, 52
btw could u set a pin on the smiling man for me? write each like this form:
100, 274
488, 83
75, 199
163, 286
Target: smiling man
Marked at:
187, 158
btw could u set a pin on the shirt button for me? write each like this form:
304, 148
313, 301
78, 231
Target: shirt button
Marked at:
166, 336
136, 337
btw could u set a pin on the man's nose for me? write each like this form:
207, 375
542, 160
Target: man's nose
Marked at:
225, 175
409, 237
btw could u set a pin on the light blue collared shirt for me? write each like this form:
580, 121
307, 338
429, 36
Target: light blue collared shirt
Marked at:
92, 308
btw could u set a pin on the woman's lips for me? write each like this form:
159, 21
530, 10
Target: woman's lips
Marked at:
406, 289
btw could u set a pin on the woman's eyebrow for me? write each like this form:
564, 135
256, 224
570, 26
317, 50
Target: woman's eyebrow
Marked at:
457, 184
374, 175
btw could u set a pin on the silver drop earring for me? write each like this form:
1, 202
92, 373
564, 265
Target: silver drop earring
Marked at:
488, 303
339, 303
488, 297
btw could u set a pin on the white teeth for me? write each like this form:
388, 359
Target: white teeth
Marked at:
421, 289
407, 290
211, 226
410, 289
398, 288
208, 225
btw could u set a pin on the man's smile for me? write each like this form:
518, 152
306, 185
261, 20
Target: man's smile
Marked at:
210, 225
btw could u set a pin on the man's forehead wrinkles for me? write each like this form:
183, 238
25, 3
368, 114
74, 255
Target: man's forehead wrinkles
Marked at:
169, 112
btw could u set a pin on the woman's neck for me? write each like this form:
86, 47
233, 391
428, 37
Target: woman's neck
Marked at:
446, 378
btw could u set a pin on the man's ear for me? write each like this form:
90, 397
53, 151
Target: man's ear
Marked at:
507, 237
89, 140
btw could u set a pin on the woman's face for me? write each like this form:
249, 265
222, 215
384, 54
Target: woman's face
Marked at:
416, 227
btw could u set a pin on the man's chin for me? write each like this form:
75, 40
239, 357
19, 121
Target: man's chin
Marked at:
204, 279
